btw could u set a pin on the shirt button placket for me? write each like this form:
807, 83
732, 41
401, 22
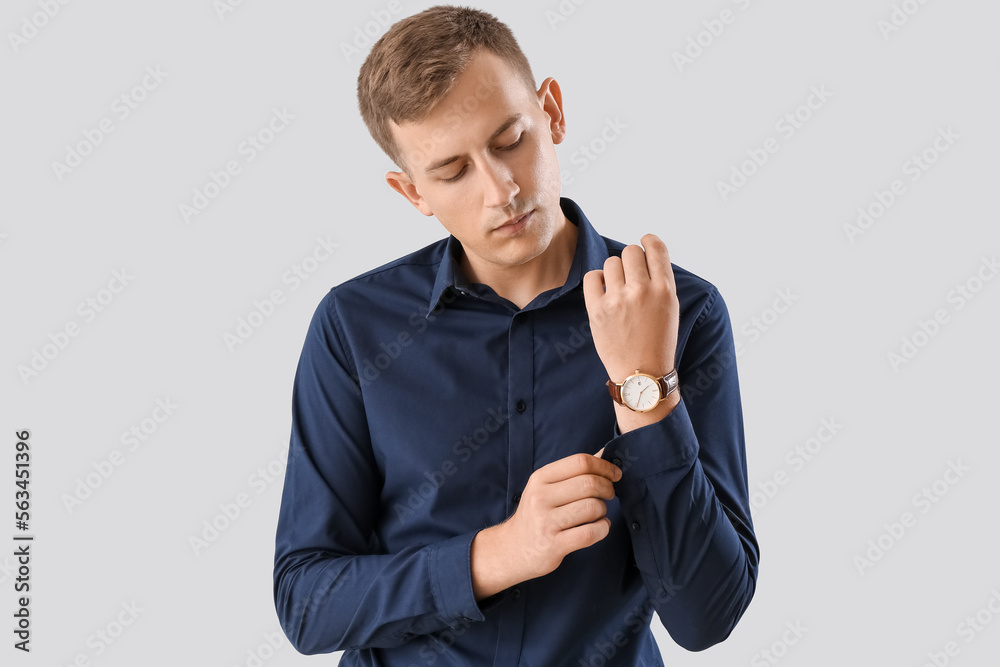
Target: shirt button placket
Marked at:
520, 464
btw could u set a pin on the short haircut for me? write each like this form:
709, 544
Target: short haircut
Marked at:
418, 61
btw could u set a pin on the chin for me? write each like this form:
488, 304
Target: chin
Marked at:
526, 250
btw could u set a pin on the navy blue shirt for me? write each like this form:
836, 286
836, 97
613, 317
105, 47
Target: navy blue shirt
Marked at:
421, 405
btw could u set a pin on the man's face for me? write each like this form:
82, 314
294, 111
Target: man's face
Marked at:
484, 164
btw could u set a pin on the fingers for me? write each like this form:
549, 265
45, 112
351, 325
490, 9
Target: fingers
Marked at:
657, 259
637, 264
576, 536
579, 513
650, 262
575, 466
564, 508
634, 265
572, 490
593, 288
614, 273
583, 536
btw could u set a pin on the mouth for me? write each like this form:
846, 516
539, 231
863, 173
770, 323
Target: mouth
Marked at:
514, 225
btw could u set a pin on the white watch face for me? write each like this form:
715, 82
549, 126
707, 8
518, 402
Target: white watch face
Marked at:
640, 392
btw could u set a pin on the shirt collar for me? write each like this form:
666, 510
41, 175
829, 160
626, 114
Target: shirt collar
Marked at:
591, 252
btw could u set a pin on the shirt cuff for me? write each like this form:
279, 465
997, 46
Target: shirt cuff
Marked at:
651, 449
451, 579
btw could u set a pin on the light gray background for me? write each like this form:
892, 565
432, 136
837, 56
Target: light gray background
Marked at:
825, 357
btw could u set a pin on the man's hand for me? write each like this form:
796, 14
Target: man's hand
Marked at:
562, 509
634, 315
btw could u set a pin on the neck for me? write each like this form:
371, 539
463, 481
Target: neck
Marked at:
521, 284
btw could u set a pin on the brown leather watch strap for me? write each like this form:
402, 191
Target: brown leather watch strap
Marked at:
665, 382
616, 392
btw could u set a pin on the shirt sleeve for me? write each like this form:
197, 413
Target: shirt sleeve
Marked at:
684, 493
333, 587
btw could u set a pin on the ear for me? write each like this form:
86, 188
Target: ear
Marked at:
550, 99
401, 183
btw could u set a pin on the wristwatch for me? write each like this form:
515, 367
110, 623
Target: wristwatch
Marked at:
642, 392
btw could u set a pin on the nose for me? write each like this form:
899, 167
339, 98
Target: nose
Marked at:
499, 188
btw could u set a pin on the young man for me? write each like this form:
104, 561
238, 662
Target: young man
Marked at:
490, 462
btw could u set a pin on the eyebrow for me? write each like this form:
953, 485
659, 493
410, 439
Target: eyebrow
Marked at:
500, 130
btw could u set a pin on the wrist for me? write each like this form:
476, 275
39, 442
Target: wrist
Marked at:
618, 372
629, 420
494, 566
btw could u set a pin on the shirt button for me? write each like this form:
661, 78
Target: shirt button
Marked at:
517, 498
515, 592
407, 636
635, 525
521, 406
617, 461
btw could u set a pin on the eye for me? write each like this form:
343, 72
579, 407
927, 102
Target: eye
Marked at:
455, 177
508, 147
514, 145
